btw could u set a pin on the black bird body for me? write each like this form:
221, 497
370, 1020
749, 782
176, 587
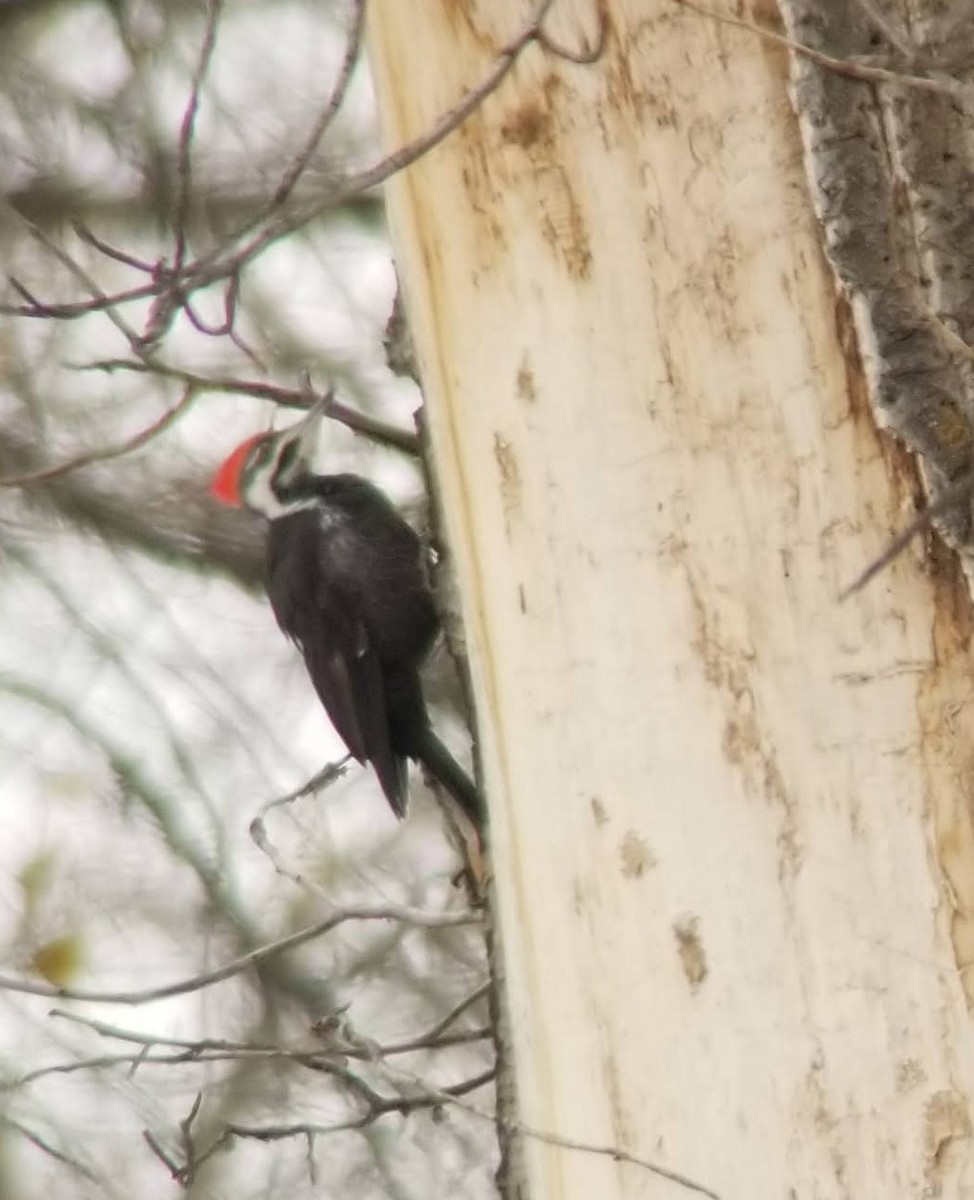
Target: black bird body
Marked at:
346, 581
346, 578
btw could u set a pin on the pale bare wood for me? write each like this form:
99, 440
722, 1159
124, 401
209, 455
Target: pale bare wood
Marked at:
731, 840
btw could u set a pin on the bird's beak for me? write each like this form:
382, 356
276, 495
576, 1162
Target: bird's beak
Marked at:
307, 430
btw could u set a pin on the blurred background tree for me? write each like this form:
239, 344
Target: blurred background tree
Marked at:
192, 239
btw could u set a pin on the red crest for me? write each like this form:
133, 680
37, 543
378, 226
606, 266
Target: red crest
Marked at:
226, 482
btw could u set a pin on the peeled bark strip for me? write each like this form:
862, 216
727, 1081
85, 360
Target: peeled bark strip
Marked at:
730, 818
891, 169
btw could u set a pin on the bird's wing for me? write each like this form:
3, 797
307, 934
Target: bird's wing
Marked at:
318, 612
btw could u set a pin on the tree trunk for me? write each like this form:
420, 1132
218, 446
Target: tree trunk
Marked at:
729, 815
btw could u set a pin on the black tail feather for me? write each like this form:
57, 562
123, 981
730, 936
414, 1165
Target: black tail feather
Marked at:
444, 767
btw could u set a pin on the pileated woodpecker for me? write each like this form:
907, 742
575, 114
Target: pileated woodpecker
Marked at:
346, 579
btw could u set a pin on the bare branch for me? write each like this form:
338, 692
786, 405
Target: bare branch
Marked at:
208, 1050
330, 773
174, 1169
172, 285
186, 131
90, 285
186, 1137
111, 252
852, 68
451, 120
215, 266
167, 514
378, 1106
381, 1050
229, 311
300, 399
956, 493
418, 917
135, 442
458, 1009
616, 1153
587, 55
72, 311
353, 46
42, 1144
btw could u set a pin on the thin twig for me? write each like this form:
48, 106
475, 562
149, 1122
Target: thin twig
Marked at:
229, 311
379, 1106
111, 252
173, 1167
227, 328
588, 55
851, 68
130, 776
952, 495
955, 493
330, 773
434, 1098
170, 295
258, 835
214, 266
432, 1039
616, 1153
205, 1051
445, 1022
85, 279
297, 398
380, 1050
186, 1137
73, 310
171, 286
41, 1144
186, 132
135, 442
451, 120
296, 169
418, 917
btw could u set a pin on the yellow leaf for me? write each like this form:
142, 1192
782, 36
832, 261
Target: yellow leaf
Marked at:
59, 960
